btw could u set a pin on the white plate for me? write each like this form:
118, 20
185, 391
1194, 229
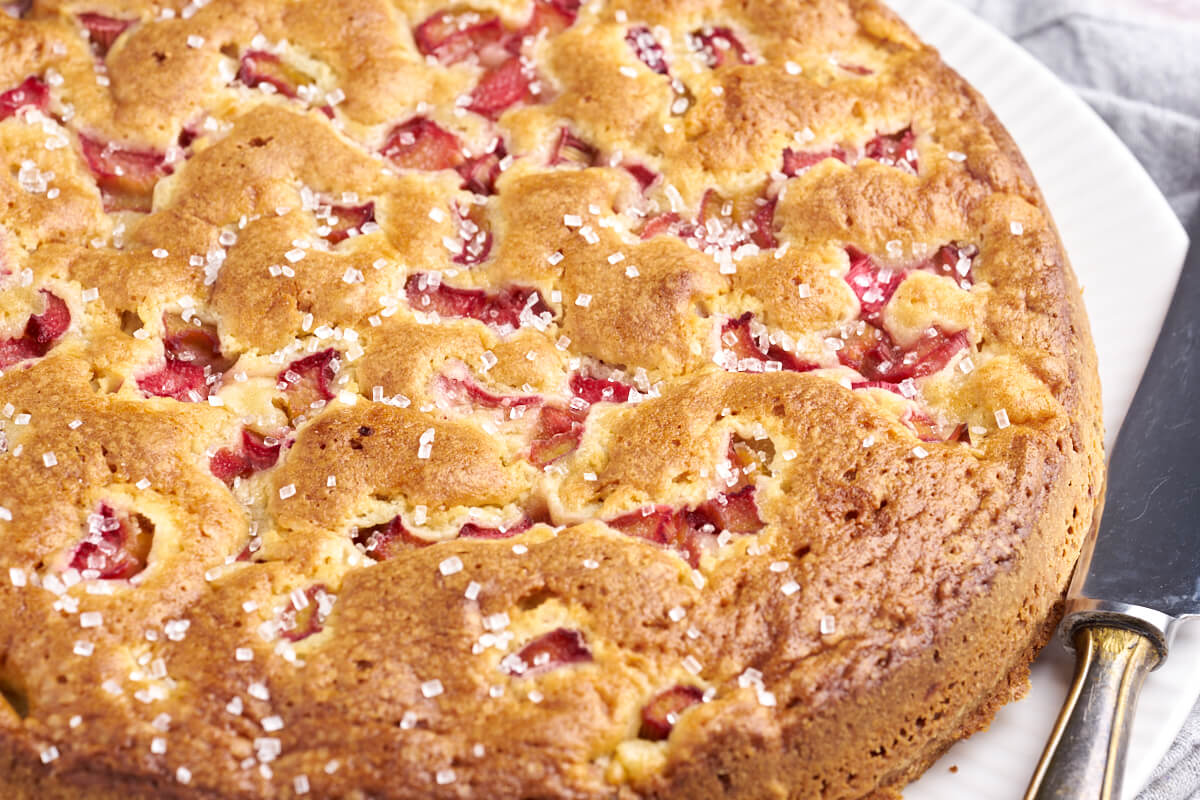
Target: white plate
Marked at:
1127, 247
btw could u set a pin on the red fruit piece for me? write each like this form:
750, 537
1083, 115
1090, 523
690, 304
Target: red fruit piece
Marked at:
872, 284
261, 452
194, 344
504, 309
33, 92
193, 362
894, 149
570, 149
474, 236
718, 46
558, 433
930, 354
470, 392
480, 173
421, 143
647, 49
724, 224
41, 331
116, 546
308, 382
673, 528
15, 350
259, 67
689, 531
256, 454
387, 540
596, 390
925, 426
551, 16
126, 177
227, 464
502, 87
660, 714
473, 531
668, 222
954, 260
763, 234
103, 31
307, 613
177, 380
654, 524
557, 648
345, 220
451, 38
751, 357
876, 357
735, 512
797, 162
643, 175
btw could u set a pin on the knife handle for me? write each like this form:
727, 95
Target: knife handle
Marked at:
1085, 757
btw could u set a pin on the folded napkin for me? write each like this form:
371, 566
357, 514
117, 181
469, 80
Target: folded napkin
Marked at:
1137, 62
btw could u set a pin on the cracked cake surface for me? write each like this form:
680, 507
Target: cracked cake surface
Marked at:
518, 399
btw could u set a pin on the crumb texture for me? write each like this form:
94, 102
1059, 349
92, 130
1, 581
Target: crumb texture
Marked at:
618, 399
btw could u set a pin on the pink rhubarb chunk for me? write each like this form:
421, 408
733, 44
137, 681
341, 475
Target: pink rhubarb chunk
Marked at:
421, 143
502, 87
307, 383
797, 162
473, 531
955, 261
690, 531
259, 67
103, 30
719, 46
894, 149
126, 177
647, 49
503, 308
193, 362
115, 548
751, 357
595, 390
387, 540
552, 650
877, 358
451, 38
41, 332
551, 16
257, 453
660, 714
32, 93
347, 221
558, 433
306, 614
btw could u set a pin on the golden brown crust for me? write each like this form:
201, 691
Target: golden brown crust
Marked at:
912, 539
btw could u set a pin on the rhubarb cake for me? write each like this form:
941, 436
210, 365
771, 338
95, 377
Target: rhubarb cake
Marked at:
518, 399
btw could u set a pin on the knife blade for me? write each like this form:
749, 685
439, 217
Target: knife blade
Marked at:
1138, 578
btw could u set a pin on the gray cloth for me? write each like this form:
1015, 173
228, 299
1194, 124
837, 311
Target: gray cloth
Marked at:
1137, 62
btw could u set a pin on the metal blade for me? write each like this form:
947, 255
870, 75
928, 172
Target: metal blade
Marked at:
1146, 552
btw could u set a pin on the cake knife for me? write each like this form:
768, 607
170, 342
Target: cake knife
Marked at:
1138, 578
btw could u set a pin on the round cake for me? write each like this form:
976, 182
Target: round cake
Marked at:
681, 399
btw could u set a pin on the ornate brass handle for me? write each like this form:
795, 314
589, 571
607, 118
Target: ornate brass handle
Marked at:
1085, 757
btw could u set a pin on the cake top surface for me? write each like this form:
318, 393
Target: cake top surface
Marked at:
476, 390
